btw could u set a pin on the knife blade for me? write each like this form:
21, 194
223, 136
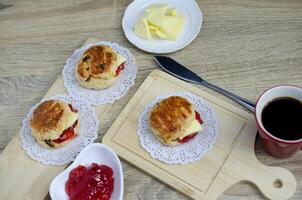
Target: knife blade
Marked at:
176, 69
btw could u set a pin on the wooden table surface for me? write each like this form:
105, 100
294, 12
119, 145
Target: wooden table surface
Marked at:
245, 46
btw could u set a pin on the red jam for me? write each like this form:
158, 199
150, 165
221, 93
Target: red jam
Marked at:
72, 108
197, 116
94, 182
67, 134
191, 136
119, 69
187, 138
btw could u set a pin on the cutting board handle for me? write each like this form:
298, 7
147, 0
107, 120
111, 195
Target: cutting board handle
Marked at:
274, 182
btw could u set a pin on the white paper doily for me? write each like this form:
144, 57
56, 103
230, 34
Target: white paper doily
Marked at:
108, 95
185, 153
87, 134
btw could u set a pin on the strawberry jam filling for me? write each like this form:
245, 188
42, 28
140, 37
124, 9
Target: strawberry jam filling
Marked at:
95, 182
72, 108
68, 133
119, 69
191, 136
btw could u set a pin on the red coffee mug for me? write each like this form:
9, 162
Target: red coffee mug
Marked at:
277, 147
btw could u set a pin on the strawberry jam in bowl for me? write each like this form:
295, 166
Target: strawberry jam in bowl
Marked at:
94, 182
96, 174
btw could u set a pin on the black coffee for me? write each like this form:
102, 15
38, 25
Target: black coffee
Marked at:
282, 118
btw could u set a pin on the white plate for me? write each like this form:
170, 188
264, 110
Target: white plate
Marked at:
97, 153
189, 8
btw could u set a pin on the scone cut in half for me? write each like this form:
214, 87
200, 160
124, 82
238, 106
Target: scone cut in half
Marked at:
174, 121
99, 67
54, 123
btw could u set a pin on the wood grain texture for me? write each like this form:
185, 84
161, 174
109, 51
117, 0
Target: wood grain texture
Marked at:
231, 160
244, 46
14, 163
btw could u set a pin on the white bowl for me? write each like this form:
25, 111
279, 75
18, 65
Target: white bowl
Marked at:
189, 8
97, 153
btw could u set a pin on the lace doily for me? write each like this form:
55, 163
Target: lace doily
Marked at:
87, 134
98, 97
185, 153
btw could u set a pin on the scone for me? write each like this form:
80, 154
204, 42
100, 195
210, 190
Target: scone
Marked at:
54, 123
174, 121
99, 67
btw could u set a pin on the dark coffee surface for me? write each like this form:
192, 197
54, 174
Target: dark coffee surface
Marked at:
282, 118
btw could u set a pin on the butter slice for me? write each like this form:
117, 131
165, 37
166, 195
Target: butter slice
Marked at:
166, 23
153, 27
156, 8
175, 33
172, 12
141, 29
119, 60
160, 34
160, 20
193, 128
72, 117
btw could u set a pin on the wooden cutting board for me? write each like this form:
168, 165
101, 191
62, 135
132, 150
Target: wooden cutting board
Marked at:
24, 178
230, 161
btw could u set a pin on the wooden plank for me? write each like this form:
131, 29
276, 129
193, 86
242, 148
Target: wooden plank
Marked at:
17, 170
244, 46
219, 169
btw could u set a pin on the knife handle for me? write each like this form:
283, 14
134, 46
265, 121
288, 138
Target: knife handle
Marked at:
242, 101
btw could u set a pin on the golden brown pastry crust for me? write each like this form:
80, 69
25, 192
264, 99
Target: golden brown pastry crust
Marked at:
96, 61
50, 119
96, 67
170, 118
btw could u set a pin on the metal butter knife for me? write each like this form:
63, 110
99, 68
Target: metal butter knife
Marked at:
178, 70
